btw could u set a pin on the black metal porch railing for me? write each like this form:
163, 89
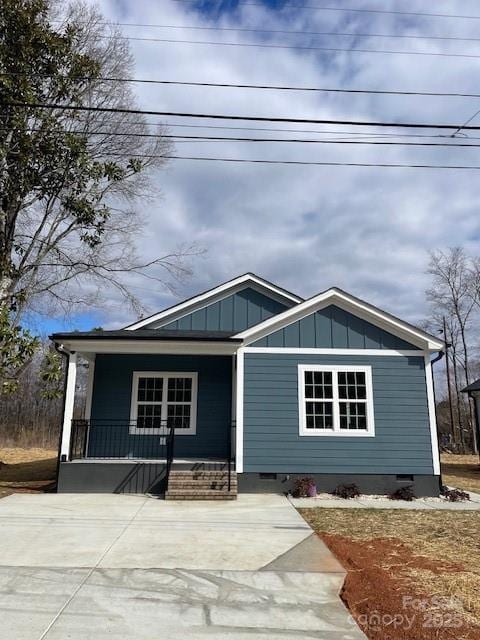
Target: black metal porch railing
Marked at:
121, 439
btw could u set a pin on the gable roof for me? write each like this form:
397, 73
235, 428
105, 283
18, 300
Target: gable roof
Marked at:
212, 295
350, 303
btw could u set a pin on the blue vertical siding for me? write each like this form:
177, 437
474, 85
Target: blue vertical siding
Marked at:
233, 313
401, 444
112, 393
335, 328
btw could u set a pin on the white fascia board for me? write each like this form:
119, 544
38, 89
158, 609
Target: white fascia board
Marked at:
213, 295
347, 303
151, 346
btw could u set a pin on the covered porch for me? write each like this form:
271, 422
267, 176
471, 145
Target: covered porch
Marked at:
157, 403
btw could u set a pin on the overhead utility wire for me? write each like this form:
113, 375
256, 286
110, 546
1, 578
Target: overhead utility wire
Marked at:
282, 130
308, 48
306, 162
230, 85
177, 114
351, 10
290, 140
299, 33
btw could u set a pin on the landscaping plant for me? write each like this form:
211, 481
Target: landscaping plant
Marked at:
304, 488
403, 493
346, 491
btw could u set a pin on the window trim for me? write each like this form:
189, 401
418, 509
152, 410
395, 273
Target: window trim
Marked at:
192, 430
336, 431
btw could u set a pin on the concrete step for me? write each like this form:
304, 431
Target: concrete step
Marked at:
202, 497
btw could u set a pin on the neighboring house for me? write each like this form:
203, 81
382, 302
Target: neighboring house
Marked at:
473, 391
250, 377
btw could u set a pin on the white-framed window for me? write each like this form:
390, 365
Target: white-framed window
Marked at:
335, 400
161, 399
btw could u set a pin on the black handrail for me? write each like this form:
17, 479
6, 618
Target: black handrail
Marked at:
231, 455
170, 453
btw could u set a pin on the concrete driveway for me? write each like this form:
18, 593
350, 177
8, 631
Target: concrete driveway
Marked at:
105, 566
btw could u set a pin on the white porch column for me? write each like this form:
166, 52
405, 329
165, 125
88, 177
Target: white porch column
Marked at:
68, 411
239, 405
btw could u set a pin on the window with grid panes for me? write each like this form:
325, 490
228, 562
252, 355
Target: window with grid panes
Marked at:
161, 400
335, 400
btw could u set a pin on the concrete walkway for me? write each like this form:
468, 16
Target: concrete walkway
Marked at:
103, 566
366, 502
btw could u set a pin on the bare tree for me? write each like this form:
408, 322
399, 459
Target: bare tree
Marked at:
452, 295
69, 178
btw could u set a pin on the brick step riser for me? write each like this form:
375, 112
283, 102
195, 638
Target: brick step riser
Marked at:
192, 492
202, 489
194, 474
200, 485
188, 497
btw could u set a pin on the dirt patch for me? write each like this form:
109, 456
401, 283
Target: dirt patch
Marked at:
411, 575
461, 471
27, 470
381, 596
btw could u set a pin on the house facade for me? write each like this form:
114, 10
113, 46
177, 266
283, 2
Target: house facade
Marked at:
255, 386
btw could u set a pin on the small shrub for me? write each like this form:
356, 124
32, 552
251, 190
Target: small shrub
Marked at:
403, 493
301, 487
346, 491
454, 495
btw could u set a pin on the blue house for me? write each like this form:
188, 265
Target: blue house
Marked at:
248, 386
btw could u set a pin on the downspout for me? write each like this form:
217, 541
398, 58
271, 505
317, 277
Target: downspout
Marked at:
66, 354
432, 362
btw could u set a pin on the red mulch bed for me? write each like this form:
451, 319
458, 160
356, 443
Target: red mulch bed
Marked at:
374, 594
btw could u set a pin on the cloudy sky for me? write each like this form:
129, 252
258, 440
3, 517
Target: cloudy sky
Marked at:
367, 230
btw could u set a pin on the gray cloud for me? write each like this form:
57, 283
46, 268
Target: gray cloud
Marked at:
367, 230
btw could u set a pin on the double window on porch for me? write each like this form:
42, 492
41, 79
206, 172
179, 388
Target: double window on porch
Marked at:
161, 400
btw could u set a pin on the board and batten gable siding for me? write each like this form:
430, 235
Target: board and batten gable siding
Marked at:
402, 441
333, 328
235, 312
111, 399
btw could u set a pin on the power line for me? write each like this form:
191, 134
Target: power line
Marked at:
308, 48
229, 85
282, 130
182, 138
309, 163
289, 32
177, 114
353, 10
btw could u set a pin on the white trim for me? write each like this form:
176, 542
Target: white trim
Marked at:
69, 402
336, 352
152, 346
192, 430
348, 303
239, 404
220, 292
336, 431
233, 411
89, 389
432, 415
